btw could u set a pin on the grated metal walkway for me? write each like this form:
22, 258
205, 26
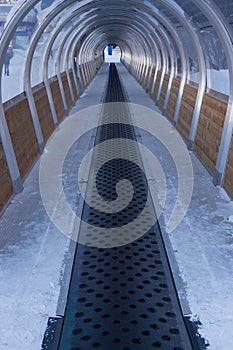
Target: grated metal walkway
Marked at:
122, 295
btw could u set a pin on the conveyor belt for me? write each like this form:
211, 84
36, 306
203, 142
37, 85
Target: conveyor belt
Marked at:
122, 295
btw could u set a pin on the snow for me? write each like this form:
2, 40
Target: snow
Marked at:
217, 80
31, 266
33, 252
200, 248
35, 259
115, 57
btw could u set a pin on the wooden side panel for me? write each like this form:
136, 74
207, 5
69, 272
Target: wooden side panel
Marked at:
67, 91
23, 135
57, 99
228, 180
6, 188
163, 92
209, 131
186, 111
44, 112
158, 78
173, 99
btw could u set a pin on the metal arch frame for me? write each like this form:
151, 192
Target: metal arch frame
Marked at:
57, 30
65, 40
80, 53
82, 6
171, 54
155, 26
70, 45
172, 73
144, 40
5, 136
127, 26
33, 44
224, 37
4, 131
27, 72
46, 55
122, 25
128, 50
224, 32
10, 28
152, 56
193, 33
6, 36
202, 85
58, 64
140, 44
73, 68
173, 32
5, 39
47, 51
73, 54
165, 49
110, 39
27, 84
143, 53
122, 3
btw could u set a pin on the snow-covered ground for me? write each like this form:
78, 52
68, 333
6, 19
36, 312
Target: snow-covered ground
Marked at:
32, 262
33, 252
201, 245
33, 257
216, 80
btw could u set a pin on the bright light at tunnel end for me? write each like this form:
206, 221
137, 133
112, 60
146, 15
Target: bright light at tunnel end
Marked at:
153, 126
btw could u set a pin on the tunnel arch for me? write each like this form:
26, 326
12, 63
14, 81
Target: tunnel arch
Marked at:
147, 32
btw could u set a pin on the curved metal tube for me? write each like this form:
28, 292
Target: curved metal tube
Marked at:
186, 23
225, 34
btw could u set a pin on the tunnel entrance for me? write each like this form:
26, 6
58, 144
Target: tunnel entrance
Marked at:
112, 54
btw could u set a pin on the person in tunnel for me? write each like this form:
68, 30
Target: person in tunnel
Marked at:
8, 57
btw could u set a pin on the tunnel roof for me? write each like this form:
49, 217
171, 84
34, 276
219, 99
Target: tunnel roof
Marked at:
152, 30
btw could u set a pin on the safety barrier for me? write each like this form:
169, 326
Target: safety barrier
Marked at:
22, 133
173, 99
228, 183
21, 127
43, 111
5, 180
210, 123
209, 131
186, 111
163, 91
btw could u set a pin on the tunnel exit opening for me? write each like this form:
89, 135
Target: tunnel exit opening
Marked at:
112, 54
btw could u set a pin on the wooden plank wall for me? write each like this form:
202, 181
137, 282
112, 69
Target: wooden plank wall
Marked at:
186, 111
22, 133
6, 188
21, 128
66, 90
211, 120
158, 78
173, 99
44, 111
163, 91
209, 131
228, 179
57, 99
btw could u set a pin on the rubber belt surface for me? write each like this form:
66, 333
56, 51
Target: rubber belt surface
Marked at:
122, 295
